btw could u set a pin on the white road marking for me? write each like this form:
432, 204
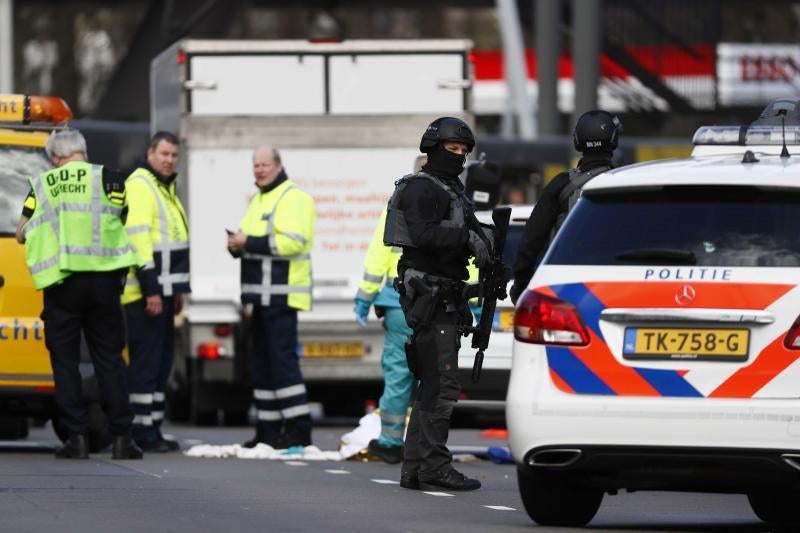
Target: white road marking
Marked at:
437, 493
386, 481
192, 442
295, 463
499, 507
125, 466
337, 471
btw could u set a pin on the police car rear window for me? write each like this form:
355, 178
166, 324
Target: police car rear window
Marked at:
17, 164
707, 226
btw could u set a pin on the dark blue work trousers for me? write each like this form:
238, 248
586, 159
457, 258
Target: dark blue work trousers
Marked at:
278, 390
151, 349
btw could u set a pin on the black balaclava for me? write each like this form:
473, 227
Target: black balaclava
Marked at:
444, 163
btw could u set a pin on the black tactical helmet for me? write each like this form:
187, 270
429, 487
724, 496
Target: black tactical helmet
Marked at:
788, 107
596, 131
446, 129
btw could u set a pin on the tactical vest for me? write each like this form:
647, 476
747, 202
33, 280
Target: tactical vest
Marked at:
570, 194
396, 233
74, 226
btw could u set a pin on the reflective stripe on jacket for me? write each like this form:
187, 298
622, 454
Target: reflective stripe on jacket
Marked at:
157, 227
74, 226
276, 264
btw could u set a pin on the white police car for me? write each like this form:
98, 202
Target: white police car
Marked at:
658, 344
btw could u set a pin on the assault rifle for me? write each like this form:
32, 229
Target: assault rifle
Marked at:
492, 287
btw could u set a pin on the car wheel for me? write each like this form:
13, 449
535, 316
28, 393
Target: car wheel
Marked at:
776, 507
551, 502
13, 428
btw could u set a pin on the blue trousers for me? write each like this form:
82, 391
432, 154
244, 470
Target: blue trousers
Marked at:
151, 348
278, 389
397, 379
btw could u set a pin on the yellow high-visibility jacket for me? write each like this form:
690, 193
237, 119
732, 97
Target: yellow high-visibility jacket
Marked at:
157, 228
276, 264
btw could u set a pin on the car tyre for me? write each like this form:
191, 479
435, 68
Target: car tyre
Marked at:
551, 502
776, 507
13, 428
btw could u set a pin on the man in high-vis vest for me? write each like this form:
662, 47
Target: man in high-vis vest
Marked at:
78, 252
157, 227
274, 244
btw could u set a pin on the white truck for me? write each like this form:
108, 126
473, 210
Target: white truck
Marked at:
347, 118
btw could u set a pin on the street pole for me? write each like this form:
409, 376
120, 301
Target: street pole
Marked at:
548, 50
516, 71
586, 38
6, 46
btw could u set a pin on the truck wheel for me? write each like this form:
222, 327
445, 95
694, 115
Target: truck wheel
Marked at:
552, 503
13, 428
200, 417
236, 417
776, 507
178, 403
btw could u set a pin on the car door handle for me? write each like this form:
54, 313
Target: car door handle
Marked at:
2, 281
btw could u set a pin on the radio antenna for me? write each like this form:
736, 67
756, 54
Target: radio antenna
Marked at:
784, 150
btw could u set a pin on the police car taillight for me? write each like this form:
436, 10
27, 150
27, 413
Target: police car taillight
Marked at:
792, 339
541, 319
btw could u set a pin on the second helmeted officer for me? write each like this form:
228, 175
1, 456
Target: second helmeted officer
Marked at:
596, 135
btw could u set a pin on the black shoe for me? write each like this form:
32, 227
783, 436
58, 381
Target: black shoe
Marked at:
173, 445
447, 478
387, 454
156, 446
255, 441
123, 447
75, 447
409, 480
293, 438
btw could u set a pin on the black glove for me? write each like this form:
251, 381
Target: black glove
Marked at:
479, 250
488, 232
516, 290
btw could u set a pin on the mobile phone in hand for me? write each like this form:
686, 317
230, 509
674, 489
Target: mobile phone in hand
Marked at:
229, 232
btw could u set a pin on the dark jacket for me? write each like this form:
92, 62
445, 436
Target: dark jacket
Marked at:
441, 251
536, 235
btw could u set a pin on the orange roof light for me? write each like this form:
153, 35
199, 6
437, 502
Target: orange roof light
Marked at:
22, 109
49, 109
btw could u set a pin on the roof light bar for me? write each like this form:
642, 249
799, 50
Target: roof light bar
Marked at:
746, 136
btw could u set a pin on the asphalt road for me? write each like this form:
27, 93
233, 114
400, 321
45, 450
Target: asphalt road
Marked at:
176, 493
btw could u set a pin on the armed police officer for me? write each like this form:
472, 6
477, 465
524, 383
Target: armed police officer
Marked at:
432, 220
596, 135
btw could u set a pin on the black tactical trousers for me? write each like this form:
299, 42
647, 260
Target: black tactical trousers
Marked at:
436, 344
88, 302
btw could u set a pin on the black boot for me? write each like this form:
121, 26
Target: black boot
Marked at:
293, 435
409, 479
75, 447
449, 478
123, 447
388, 454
